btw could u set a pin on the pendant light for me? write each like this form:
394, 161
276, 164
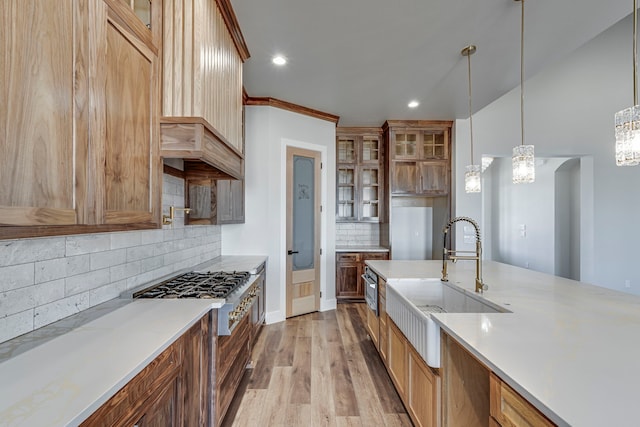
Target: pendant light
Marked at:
628, 120
523, 160
472, 175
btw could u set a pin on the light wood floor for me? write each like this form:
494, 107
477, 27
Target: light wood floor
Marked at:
320, 369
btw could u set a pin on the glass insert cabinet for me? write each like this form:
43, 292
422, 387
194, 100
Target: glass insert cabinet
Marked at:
359, 180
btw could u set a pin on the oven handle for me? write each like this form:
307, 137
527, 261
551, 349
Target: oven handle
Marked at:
368, 281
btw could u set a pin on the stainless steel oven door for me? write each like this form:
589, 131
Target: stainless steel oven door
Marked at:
371, 290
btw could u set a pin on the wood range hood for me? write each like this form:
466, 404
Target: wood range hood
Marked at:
206, 153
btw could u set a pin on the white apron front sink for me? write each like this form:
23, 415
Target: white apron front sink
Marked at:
410, 303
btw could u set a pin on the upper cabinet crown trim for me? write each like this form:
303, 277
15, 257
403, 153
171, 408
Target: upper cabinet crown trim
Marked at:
421, 124
231, 21
273, 102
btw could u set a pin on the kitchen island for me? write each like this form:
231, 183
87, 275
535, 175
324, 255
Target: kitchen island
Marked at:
567, 347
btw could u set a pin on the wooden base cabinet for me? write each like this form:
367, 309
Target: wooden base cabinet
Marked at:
349, 268
417, 384
397, 359
423, 400
509, 409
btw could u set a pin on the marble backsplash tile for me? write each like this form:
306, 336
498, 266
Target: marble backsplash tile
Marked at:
46, 279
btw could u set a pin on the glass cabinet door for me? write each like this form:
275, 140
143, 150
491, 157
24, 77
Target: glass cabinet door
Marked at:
346, 203
405, 144
346, 149
370, 149
370, 200
434, 145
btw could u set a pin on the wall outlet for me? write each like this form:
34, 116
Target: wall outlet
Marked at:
627, 283
526, 264
523, 230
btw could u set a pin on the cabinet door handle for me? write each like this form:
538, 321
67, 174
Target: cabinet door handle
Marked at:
290, 252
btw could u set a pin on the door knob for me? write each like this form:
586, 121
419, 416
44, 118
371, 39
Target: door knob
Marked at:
290, 252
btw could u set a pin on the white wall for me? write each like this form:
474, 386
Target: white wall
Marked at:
268, 131
569, 109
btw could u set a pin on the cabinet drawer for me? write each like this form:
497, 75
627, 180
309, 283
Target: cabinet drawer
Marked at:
348, 257
511, 409
374, 255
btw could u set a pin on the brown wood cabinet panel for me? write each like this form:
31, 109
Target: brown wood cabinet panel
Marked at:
164, 408
131, 126
403, 178
214, 201
37, 137
397, 359
373, 326
423, 392
230, 201
433, 178
233, 355
510, 409
465, 386
194, 379
348, 280
202, 68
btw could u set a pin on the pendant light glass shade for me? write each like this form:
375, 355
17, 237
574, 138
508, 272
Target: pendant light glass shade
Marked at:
524, 169
628, 120
472, 179
628, 136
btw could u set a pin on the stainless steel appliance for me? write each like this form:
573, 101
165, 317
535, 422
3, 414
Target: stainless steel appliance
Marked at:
371, 289
238, 289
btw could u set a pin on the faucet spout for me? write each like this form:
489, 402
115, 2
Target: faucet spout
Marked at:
453, 254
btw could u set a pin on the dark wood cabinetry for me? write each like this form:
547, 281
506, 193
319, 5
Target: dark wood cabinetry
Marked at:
212, 200
419, 157
349, 268
359, 180
170, 391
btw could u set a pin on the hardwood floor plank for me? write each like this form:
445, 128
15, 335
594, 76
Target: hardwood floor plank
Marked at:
265, 361
301, 376
322, 407
284, 356
276, 402
385, 390
335, 377
349, 422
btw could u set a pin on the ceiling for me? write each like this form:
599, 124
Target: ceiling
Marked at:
364, 60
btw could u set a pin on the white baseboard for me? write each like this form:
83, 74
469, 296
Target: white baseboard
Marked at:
326, 305
274, 317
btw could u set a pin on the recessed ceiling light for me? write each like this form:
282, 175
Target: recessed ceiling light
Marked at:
279, 60
413, 104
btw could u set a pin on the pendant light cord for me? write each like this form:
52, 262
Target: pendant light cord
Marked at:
635, 52
470, 113
522, 72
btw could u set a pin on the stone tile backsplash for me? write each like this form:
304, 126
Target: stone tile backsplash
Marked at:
357, 234
43, 280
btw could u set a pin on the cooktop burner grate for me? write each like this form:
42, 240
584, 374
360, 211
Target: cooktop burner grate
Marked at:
217, 284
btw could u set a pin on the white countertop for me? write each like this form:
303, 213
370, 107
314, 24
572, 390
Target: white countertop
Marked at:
60, 374
66, 379
361, 248
570, 348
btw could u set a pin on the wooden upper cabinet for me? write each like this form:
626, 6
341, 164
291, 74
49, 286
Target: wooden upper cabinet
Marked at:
79, 118
359, 180
203, 53
130, 108
420, 160
38, 120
